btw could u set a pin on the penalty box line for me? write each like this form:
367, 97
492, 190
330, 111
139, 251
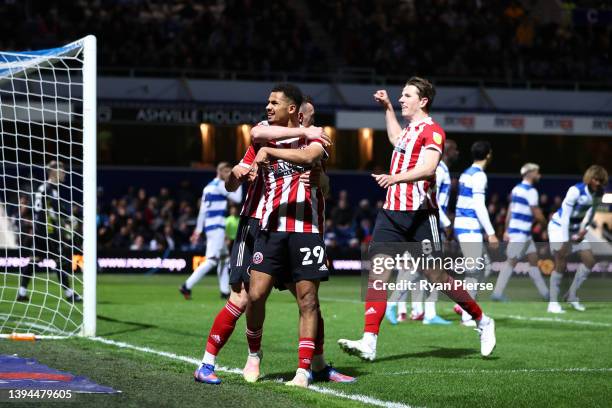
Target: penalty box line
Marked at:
321, 390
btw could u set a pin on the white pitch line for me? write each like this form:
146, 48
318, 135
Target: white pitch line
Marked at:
558, 320
159, 353
322, 390
356, 397
509, 371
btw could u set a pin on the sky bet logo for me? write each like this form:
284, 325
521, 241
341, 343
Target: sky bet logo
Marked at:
513, 122
467, 122
564, 124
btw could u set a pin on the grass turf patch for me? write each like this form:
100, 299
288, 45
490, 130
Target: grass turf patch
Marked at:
536, 362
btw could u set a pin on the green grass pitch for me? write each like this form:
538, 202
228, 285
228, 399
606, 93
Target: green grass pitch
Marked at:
537, 362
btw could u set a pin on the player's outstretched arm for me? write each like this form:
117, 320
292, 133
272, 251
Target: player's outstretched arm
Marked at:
444, 220
480, 207
264, 134
307, 156
423, 171
394, 129
235, 196
568, 204
238, 175
507, 224
586, 221
200, 222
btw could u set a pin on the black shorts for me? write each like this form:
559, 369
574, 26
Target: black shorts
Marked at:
290, 256
406, 226
242, 250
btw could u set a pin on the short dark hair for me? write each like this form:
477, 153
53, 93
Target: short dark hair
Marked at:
480, 150
426, 90
292, 92
307, 99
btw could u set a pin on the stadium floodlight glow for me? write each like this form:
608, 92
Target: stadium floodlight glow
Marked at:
204, 129
245, 133
366, 145
331, 132
48, 125
208, 148
243, 139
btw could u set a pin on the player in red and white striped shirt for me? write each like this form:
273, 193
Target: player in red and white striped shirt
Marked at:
410, 211
289, 245
242, 253
289, 205
411, 149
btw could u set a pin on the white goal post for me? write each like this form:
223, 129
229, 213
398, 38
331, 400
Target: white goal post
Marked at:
48, 191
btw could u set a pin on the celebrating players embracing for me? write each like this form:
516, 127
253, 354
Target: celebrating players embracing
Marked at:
289, 246
242, 250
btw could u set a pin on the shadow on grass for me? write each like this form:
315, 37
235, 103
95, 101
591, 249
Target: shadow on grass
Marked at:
133, 326
288, 375
440, 352
136, 326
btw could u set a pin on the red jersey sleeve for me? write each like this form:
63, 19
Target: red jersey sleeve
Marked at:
433, 138
319, 141
249, 157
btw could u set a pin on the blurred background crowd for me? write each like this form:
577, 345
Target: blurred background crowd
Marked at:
497, 39
141, 220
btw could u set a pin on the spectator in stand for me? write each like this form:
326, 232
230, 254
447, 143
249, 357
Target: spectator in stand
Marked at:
139, 244
490, 39
342, 214
330, 234
364, 211
122, 240
343, 222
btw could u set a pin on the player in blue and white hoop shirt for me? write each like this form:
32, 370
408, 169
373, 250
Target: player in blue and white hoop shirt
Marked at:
566, 233
522, 212
472, 217
211, 220
443, 181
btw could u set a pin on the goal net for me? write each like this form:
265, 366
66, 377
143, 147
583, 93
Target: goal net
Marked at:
48, 191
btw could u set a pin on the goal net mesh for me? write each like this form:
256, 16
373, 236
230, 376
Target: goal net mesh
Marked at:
41, 197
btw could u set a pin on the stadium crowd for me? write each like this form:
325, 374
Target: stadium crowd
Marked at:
503, 39
142, 221
489, 39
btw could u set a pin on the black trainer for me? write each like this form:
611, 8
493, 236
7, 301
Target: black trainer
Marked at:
186, 292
